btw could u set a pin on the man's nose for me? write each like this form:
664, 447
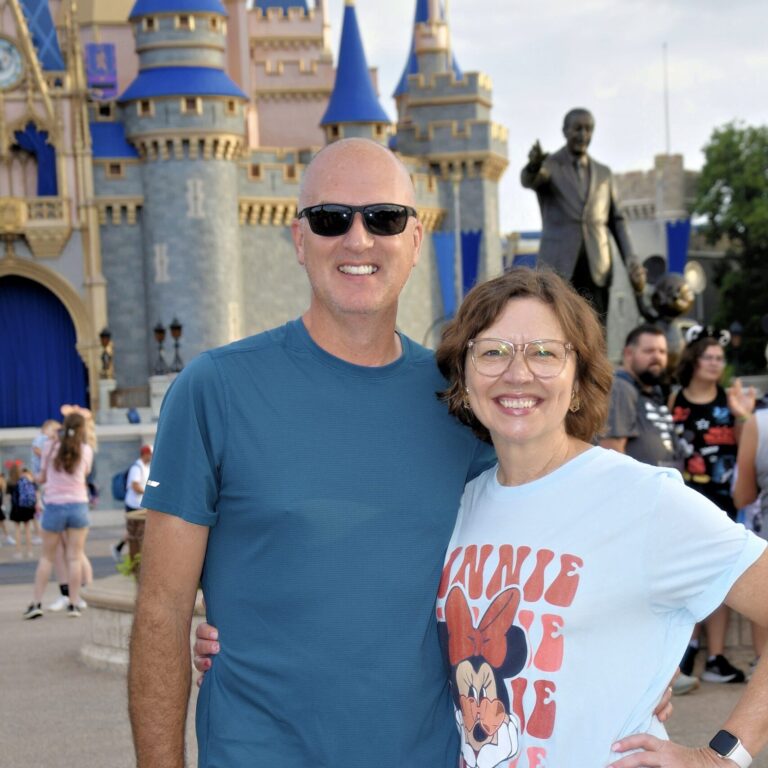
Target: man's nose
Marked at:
358, 236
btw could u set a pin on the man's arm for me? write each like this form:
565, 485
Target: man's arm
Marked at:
745, 490
160, 670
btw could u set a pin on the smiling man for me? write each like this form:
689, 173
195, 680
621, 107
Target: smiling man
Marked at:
311, 477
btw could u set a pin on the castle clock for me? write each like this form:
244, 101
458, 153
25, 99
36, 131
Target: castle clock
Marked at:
11, 66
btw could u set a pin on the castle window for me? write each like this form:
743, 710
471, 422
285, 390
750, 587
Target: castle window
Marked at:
379, 131
149, 24
185, 21
214, 23
232, 107
290, 171
335, 131
254, 171
192, 105
115, 171
104, 111
145, 108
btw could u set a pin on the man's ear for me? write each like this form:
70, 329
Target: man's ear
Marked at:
297, 235
418, 238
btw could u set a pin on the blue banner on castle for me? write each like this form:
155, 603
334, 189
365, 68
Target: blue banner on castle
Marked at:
36, 143
470, 257
678, 236
101, 69
445, 257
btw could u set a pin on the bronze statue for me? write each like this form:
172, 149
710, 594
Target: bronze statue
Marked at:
578, 210
671, 299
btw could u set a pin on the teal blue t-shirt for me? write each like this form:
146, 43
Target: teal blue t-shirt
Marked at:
331, 491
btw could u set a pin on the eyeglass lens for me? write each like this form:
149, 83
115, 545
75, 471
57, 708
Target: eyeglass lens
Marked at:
333, 220
544, 358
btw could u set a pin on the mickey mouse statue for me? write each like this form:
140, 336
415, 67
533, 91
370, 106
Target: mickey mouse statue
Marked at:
671, 299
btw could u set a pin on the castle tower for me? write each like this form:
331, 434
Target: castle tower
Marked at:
444, 117
290, 75
186, 119
354, 109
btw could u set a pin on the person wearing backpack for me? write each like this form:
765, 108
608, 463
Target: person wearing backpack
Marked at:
135, 482
23, 494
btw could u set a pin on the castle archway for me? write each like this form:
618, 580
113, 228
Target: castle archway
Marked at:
40, 367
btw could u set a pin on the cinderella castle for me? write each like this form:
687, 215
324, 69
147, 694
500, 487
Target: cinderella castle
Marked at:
150, 158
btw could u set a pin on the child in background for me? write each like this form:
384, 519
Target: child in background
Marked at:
23, 501
48, 431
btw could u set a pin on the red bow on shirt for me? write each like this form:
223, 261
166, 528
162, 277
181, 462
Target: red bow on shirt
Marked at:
489, 638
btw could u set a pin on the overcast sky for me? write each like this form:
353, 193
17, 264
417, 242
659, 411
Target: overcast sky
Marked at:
546, 56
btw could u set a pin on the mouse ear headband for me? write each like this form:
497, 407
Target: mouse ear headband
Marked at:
696, 332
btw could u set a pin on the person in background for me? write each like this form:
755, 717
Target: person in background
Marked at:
23, 492
708, 420
136, 482
752, 485
65, 465
5, 538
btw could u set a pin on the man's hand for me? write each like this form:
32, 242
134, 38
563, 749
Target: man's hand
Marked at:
205, 648
657, 753
637, 275
536, 157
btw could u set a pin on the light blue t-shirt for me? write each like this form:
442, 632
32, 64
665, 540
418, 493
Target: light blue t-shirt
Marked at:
566, 604
331, 490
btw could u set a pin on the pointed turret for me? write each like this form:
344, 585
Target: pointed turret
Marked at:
428, 14
354, 108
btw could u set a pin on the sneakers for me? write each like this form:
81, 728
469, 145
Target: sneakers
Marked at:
684, 684
10, 540
59, 604
689, 658
33, 612
73, 612
117, 555
720, 670
81, 604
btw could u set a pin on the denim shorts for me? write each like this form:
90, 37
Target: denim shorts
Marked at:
58, 517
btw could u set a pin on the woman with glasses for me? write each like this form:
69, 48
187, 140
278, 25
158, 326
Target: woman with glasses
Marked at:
565, 556
708, 421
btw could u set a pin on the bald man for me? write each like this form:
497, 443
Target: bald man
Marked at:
311, 477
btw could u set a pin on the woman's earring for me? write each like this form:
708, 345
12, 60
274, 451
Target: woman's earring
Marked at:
465, 399
575, 402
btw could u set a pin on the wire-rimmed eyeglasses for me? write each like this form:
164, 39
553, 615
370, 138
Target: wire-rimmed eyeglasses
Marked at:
544, 358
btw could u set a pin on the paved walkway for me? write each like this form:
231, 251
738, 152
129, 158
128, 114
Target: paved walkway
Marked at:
56, 713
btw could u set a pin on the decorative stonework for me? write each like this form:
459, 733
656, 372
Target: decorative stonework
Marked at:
118, 210
267, 212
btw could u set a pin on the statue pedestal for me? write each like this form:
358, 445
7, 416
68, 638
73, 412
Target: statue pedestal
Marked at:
106, 388
158, 386
109, 618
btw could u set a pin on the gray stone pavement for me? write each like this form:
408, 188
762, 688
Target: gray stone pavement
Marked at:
55, 712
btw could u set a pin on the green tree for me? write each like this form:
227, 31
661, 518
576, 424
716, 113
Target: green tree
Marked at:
733, 198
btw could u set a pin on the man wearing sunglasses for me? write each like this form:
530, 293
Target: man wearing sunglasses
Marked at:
310, 476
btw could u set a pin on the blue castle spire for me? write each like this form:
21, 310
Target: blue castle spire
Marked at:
354, 99
412, 65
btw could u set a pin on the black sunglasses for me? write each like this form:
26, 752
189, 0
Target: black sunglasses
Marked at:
334, 219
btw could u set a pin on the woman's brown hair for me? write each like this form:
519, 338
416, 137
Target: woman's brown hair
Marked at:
71, 441
581, 327
689, 358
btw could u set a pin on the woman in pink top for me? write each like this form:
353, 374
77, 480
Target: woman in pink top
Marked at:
66, 462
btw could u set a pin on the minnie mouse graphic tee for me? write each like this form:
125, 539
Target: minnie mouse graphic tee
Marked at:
547, 584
